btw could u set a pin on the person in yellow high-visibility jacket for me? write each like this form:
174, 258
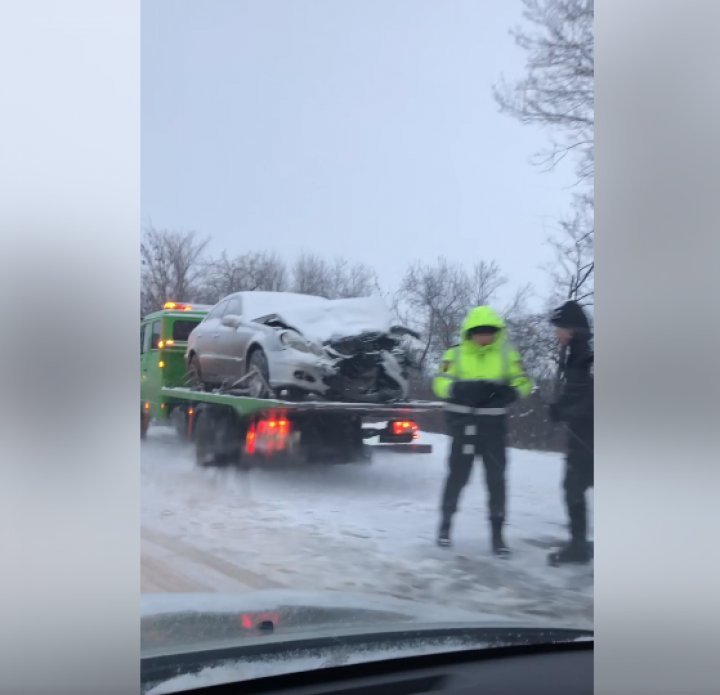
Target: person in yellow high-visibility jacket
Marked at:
478, 379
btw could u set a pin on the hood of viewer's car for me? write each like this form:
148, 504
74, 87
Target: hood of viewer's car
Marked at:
174, 621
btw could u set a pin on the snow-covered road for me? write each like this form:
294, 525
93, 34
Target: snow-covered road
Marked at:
359, 528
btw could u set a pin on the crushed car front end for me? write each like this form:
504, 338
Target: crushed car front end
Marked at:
368, 369
372, 367
298, 366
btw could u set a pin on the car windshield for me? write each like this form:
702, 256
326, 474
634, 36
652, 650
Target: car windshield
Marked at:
389, 449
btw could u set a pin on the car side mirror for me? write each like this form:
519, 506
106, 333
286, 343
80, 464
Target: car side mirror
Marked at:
231, 321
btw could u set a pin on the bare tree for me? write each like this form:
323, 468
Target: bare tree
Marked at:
352, 279
312, 274
255, 270
558, 90
433, 299
171, 265
573, 270
532, 335
558, 93
516, 307
486, 279
267, 271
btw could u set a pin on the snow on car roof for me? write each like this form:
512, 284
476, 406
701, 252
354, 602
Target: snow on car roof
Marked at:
318, 318
257, 304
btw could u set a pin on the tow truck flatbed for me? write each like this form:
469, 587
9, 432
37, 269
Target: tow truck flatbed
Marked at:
241, 427
246, 405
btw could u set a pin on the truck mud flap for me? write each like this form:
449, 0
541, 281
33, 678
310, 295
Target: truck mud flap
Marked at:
404, 448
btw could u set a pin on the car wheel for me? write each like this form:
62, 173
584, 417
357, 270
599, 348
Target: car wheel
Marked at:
195, 380
257, 362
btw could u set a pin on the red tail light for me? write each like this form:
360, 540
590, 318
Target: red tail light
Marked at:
268, 435
404, 427
250, 439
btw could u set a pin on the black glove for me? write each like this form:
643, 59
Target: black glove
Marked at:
505, 395
474, 394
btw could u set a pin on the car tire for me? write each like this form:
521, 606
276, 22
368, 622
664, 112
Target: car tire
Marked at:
257, 361
195, 380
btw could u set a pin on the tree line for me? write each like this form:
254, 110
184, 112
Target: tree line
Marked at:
176, 265
431, 298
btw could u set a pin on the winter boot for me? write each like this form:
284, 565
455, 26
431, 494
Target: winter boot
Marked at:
498, 544
578, 551
443, 537
571, 554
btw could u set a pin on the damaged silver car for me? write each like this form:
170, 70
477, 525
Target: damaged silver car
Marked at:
295, 346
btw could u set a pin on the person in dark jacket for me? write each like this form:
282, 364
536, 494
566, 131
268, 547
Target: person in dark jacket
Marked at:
575, 407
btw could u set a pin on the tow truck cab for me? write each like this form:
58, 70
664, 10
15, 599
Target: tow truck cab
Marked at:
163, 342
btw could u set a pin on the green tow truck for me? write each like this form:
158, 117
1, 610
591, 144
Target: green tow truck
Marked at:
228, 427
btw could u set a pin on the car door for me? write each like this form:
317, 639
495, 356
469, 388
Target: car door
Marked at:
233, 340
205, 343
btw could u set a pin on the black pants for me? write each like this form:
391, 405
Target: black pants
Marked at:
579, 476
478, 435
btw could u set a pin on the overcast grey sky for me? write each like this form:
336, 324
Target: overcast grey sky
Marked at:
363, 128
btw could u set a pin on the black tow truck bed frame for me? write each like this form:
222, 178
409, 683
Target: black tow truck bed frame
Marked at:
231, 427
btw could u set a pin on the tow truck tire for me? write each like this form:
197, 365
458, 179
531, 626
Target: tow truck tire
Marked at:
216, 438
207, 460
205, 453
179, 420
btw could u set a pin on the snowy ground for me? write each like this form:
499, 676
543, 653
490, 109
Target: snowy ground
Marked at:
358, 528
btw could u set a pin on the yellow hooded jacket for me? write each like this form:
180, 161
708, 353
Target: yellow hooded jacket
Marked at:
498, 361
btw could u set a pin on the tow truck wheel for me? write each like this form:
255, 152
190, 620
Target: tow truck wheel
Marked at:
179, 420
144, 423
217, 441
205, 450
